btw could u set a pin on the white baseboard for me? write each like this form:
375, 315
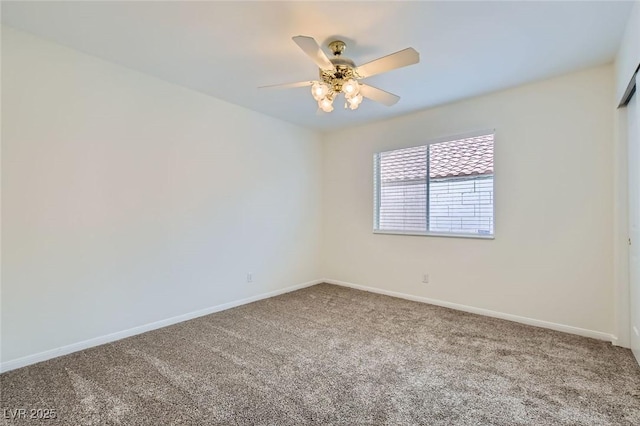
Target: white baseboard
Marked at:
101, 340
523, 320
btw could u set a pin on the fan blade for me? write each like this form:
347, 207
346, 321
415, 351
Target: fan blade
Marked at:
378, 95
287, 85
312, 49
408, 56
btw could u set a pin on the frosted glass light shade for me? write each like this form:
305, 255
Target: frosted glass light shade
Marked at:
350, 88
326, 104
354, 101
319, 90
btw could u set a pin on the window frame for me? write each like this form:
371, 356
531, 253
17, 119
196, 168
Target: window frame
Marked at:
377, 189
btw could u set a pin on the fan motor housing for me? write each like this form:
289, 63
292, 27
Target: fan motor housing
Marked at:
344, 70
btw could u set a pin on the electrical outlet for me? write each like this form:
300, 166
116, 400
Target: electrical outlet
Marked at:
249, 277
425, 278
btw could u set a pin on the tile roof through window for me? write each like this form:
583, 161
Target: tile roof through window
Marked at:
458, 158
465, 157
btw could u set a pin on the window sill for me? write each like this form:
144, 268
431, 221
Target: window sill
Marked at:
436, 234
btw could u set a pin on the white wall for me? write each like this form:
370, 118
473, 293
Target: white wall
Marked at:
128, 200
552, 257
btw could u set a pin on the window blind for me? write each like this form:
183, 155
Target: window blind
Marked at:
444, 187
402, 179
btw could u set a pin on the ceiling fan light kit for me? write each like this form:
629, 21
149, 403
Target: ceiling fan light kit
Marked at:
340, 78
341, 75
325, 92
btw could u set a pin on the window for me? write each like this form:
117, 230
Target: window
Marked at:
443, 188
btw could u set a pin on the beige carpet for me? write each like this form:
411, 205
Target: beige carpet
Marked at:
331, 355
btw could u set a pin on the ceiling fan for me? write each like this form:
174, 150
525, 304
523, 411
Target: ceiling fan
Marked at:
341, 75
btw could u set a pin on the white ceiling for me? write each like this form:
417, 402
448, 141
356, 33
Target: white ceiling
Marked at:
228, 49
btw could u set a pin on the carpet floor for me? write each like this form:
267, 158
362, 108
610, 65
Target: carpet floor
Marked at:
332, 355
